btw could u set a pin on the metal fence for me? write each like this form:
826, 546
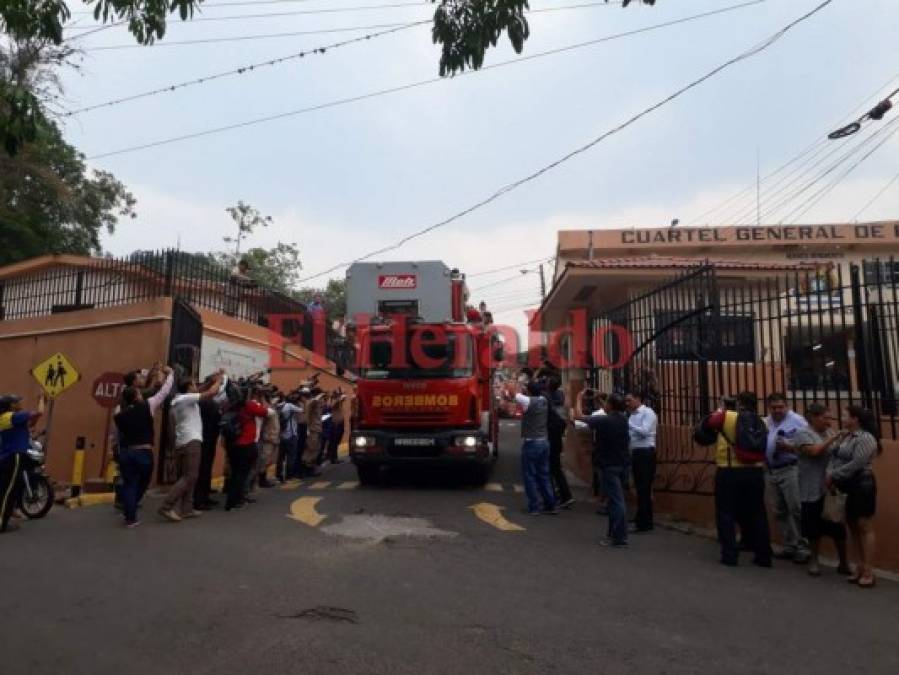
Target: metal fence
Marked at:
828, 334
105, 282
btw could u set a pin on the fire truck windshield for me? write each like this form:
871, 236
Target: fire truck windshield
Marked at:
428, 355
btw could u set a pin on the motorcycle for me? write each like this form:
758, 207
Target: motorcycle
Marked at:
36, 497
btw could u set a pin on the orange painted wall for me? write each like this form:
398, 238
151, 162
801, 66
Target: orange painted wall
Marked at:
95, 341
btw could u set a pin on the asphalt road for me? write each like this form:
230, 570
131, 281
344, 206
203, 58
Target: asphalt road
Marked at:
258, 591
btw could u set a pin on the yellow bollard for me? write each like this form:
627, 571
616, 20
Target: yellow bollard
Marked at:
77, 473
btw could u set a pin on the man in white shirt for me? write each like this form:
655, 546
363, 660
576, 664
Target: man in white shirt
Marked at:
642, 423
185, 413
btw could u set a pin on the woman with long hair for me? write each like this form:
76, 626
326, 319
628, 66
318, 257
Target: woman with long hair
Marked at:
851, 472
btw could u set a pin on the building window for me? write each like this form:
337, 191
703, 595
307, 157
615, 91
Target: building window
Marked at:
821, 362
726, 337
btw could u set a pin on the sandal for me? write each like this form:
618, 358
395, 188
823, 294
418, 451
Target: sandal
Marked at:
866, 582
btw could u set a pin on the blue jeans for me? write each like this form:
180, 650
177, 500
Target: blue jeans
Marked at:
612, 484
535, 470
288, 458
136, 467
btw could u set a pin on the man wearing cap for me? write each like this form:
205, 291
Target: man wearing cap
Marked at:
15, 439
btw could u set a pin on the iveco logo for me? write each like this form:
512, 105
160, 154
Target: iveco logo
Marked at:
397, 281
415, 386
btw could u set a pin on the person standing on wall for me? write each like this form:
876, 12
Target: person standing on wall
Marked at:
188, 424
783, 476
555, 427
535, 450
137, 434
611, 441
642, 424
740, 439
15, 440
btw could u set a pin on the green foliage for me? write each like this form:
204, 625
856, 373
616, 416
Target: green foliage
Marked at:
277, 268
466, 29
247, 219
51, 203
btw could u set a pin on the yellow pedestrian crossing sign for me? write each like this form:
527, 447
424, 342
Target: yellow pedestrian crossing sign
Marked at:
55, 374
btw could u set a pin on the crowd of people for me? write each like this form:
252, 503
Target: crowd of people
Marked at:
817, 480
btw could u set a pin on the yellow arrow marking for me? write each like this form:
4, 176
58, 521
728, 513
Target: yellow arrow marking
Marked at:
320, 485
348, 485
303, 510
492, 515
292, 485
493, 487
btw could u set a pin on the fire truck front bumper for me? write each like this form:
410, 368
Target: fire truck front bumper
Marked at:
457, 446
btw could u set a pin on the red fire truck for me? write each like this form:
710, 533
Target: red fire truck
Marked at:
424, 393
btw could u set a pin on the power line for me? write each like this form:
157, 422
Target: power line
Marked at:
414, 85
265, 36
810, 203
346, 10
497, 283
587, 146
873, 199
241, 70
813, 149
511, 267
240, 38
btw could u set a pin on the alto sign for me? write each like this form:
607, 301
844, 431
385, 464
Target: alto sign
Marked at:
398, 282
107, 389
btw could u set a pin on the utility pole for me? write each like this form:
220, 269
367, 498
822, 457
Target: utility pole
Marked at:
758, 188
542, 284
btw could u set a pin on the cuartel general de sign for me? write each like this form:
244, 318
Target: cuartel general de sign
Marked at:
790, 234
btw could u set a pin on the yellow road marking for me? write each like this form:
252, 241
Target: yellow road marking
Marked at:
348, 485
493, 487
492, 515
303, 510
292, 485
320, 485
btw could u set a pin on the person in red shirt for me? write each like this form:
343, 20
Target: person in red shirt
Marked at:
244, 452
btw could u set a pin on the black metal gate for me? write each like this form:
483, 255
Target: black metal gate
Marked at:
185, 341
825, 332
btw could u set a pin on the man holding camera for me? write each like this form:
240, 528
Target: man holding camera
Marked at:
188, 424
243, 451
15, 440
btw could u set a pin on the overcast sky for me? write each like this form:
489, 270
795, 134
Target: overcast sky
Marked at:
345, 180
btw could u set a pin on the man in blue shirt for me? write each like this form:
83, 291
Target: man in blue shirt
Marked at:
15, 439
782, 459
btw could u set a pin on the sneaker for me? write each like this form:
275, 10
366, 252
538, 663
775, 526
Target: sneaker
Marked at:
131, 526
239, 507
785, 555
192, 514
801, 558
249, 500
609, 542
550, 512
169, 514
567, 504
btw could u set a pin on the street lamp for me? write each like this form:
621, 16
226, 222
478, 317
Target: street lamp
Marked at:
538, 269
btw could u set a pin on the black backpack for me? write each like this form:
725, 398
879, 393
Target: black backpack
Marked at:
703, 435
230, 426
752, 438
555, 420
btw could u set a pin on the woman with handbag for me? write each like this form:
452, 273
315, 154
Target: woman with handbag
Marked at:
850, 471
814, 444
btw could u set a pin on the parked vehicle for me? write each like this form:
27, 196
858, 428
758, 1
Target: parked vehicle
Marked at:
36, 498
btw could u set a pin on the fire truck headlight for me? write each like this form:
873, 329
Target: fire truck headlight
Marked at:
467, 442
363, 441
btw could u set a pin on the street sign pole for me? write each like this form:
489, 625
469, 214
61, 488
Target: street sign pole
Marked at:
105, 459
48, 426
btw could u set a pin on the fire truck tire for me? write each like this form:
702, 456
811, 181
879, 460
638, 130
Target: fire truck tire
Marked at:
369, 474
481, 473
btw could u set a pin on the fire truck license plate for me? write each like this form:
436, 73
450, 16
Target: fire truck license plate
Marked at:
414, 442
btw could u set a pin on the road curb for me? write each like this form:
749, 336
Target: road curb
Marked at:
91, 499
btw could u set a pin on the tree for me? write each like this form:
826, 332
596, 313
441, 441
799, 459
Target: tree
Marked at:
277, 268
247, 219
465, 29
49, 201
